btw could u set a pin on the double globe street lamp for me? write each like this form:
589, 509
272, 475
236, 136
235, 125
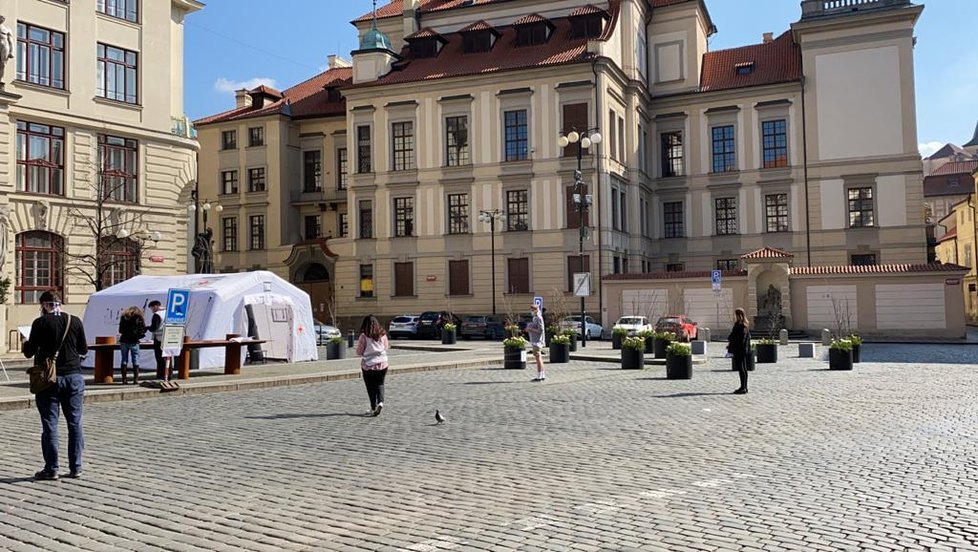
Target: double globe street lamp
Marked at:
203, 244
490, 217
582, 200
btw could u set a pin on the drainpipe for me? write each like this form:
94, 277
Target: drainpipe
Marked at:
598, 203
804, 150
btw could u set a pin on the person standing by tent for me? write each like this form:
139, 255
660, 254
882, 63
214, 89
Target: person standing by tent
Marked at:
156, 326
59, 336
132, 329
372, 346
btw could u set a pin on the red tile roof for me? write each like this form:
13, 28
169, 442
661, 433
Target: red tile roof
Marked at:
588, 10
775, 62
949, 235
426, 32
304, 100
875, 269
674, 275
396, 7
532, 18
480, 25
957, 167
768, 253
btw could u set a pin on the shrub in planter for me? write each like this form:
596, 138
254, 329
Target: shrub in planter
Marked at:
512, 330
679, 361
551, 333
560, 349
335, 348
633, 353
857, 345
649, 337
514, 353
840, 355
572, 336
448, 334
767, 351
617, 336
662, 342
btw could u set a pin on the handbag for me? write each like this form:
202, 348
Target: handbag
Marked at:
43, 377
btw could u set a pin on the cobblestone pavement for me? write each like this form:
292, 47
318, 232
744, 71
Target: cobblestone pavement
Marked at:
595, 458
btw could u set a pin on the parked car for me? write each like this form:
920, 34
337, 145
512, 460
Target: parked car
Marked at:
405, 325
634, 325
593, 330
679, 324
486, 326
431, 322
325, 332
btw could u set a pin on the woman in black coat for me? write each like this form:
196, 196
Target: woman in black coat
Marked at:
738, 344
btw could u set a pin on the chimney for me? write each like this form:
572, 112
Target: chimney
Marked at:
768, 38
336, 62
409, 15
241, 99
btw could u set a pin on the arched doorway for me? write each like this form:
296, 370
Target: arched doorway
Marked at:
314, 279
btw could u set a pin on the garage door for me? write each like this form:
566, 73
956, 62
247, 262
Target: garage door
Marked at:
825, 302
708, 310
651, 303
910, 306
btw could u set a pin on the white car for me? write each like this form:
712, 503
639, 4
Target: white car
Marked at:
325, 332
634, 325
593, 330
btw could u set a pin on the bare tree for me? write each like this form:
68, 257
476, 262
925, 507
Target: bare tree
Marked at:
842, 315
113, 230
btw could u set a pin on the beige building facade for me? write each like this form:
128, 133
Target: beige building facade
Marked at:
98, 155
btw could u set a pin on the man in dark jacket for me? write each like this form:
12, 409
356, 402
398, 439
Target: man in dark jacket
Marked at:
156, 327
45, 342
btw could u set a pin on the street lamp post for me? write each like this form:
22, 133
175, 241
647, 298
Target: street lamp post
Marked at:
490, 217
581, 200
203, 250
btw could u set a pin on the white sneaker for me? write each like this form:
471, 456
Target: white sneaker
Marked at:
380, 406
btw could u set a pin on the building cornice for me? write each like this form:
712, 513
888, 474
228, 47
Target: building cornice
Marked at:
189, 6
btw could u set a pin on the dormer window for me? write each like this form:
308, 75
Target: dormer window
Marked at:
333, 94
478, 38
745, 68
533, 30
588, 22
425, 43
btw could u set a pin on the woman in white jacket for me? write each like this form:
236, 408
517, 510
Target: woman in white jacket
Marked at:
372, 347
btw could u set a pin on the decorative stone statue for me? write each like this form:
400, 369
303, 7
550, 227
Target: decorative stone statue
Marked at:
202, 252
6, 47
769, 304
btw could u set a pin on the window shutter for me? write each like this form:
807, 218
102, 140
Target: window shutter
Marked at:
403, 279
519, 275
575, 118
458, 277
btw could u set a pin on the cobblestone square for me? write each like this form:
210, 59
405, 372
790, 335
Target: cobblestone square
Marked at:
595, 458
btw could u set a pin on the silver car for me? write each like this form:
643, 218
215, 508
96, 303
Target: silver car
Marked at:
593, 330
325, 332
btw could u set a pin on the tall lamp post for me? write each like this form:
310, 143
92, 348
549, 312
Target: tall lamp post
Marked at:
203, 250
582, 200
490, 217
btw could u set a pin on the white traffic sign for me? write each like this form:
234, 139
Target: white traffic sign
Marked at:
172, 341
582, 284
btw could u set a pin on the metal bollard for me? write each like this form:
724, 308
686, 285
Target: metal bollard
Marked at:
349, 339
826, 337
783, 334
705, 334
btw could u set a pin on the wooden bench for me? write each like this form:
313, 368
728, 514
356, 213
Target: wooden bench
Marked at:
105, 348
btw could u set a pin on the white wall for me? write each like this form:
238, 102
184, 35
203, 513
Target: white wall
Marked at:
834, 204
708, 310
652, 303
822, 310
910, 306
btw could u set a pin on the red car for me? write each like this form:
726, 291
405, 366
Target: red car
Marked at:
679, 324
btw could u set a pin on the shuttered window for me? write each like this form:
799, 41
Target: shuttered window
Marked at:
575, 118
519, 275
403, 279
458, 277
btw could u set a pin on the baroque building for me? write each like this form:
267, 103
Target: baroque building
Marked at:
98, 156
455, 111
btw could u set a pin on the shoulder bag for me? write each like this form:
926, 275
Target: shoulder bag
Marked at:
43, 377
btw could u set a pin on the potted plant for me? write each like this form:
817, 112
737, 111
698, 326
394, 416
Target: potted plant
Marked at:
633, 353
662, 342
649, 337
572, 336
560, 349
840, 355
857, 343
551, 333
448, 334
767, 351
514, 353
679, 361
512, 330
335, 348
617, 336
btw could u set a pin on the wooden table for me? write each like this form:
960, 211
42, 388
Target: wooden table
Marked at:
105, 348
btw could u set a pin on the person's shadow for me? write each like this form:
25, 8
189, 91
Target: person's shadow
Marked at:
295, 416
681, 395
12, 480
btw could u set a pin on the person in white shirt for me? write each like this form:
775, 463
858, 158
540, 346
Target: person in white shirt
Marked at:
372, 346
535, 329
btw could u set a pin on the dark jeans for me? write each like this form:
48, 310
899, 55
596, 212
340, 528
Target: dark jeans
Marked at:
160, 361
740, 363
374, 380
68, 395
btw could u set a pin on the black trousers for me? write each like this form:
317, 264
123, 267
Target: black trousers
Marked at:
160, 361
374, 380
740, 363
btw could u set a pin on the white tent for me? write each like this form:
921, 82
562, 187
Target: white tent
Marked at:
219, 304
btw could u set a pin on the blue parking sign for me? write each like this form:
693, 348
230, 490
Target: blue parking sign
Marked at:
538, 301
177, 302
716, 277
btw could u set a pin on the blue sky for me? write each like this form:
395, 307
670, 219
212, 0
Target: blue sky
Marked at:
242, 43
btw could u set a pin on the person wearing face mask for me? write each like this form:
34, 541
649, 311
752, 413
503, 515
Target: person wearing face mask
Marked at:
156, 327
58, 335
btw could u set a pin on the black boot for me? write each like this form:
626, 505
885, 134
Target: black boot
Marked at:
124, 382
135, 375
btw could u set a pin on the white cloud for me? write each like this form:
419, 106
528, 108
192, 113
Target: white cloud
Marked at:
929, 148
228, 86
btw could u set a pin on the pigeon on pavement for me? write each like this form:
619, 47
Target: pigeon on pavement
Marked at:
439, 418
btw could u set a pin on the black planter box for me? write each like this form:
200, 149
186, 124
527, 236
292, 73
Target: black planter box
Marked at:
840, 360
616, 340
650, 346
632, 359
573, 344
679, 367
447, 337
559, 353
660, 347
855, 354
513, 358
767, 354
335, 351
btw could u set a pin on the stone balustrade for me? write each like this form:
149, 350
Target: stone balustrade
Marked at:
820, 8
